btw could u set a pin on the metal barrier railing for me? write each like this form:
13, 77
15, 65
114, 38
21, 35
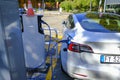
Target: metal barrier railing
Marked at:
53, 41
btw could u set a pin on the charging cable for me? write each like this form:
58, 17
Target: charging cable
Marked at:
49, 46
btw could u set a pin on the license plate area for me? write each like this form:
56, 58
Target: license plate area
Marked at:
110, 59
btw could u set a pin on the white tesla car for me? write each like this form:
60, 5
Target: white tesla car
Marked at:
91, 46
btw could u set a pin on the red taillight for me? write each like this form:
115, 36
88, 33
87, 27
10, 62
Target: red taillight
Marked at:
75, 47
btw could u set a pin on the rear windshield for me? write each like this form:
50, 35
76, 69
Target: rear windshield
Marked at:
99, 22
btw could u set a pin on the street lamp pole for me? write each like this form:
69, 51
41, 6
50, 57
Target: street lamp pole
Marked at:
90, 5
104, 5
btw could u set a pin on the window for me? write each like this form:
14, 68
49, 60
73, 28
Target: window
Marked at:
100, 22
70, 22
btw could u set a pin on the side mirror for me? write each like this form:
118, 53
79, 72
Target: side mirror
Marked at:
64, 22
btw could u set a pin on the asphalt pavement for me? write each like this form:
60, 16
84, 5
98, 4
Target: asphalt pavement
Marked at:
58, 74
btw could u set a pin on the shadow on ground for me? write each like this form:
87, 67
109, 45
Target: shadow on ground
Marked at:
58, 74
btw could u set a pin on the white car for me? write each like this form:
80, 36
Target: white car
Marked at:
91, 46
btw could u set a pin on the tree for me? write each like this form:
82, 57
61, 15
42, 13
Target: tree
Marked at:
66, 5
80, 5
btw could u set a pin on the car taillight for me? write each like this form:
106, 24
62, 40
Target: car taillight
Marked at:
75, 47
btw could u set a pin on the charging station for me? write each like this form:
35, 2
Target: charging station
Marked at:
12, 63
33, 41
22, 44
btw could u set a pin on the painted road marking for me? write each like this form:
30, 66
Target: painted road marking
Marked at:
49, 74
54, 61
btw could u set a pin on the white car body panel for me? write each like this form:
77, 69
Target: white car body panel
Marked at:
87, 65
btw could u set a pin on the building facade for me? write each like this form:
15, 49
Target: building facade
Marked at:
112, 6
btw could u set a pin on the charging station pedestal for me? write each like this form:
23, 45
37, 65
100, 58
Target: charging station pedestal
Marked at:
12, 64
33, 40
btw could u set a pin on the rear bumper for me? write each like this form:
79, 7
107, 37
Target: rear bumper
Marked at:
94, 72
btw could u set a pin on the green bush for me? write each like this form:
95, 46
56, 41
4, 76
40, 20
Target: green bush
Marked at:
92, 15
118, 11
79, 5
66, 5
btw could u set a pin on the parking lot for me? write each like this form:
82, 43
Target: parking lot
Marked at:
86, 46
55, 19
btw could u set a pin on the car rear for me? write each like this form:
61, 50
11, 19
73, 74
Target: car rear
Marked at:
94, 52
94, 59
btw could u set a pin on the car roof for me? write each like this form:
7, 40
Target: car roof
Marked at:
84, 13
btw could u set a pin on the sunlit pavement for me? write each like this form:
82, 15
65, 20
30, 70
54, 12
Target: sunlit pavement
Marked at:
54, 19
